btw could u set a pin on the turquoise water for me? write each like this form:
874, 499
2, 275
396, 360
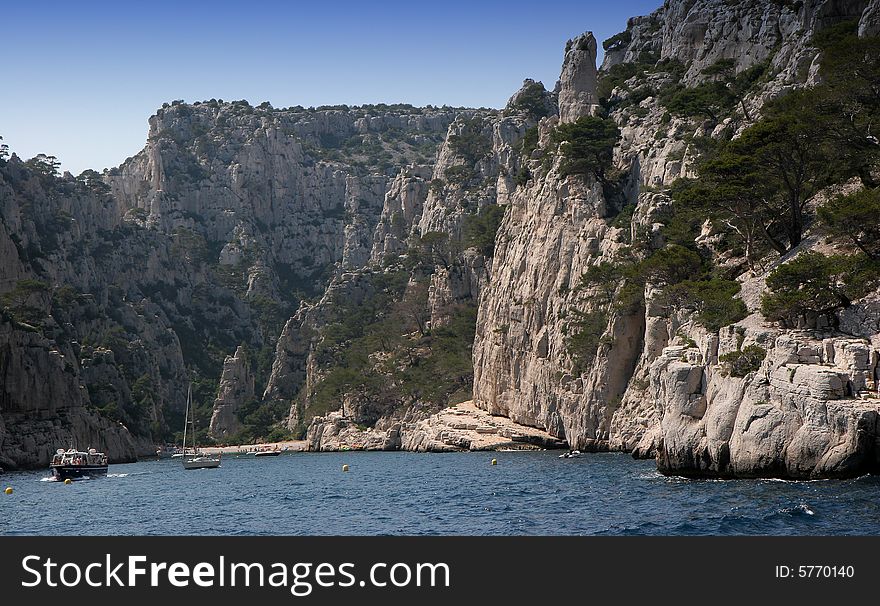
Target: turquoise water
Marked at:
526, 493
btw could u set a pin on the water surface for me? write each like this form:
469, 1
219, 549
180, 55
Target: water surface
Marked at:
526, 493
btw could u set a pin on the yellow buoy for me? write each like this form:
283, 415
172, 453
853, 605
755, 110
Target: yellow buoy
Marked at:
494, 461
345, 468
8, 490
68, 481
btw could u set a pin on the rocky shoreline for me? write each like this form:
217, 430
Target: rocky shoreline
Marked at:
457, 428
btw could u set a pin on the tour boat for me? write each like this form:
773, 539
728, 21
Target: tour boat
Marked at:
75, 464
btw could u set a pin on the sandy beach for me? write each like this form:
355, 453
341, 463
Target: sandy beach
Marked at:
286, 446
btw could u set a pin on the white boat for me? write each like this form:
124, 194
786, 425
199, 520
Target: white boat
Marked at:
193, 458
168, 452
201, 461
267, 453
76, 464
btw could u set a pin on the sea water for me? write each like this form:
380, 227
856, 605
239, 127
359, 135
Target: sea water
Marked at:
398, 493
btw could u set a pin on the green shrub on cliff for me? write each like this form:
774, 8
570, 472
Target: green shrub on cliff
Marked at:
742, 362
529, 141
460, 174
714, 300
587, 146
708, 100
714, 98
532, 101
816, 285
24, 303
585, 338
615, 77
471, 144
617, 41
756, 187
849, 97
522, 176
670, 265
479, 230
855, 217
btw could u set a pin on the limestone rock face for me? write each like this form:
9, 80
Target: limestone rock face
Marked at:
869, 24
336, 432
809, 411
456, 285
452, 196
456, 428
401, 210
699, 33
294, 368
474, 172
863, 319
234, 168
289, 364
77, 272
655, 384
550, 234
43, 406
236, 389
578, 81
227, 219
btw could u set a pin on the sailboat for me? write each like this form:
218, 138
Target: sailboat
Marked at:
193, 458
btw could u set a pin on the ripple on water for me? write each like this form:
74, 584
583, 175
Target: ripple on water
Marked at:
798, 510
427, 494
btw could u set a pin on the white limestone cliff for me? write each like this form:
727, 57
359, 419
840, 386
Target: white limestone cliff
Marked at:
236, 390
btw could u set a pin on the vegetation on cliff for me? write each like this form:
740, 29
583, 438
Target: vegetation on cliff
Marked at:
754, 190
757, 187
587, 146
381, 355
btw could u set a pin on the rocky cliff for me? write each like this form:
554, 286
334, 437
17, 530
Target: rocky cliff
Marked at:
654, 383
84, 357
435, 239
555, 261
143, 279
578, 82
236, 390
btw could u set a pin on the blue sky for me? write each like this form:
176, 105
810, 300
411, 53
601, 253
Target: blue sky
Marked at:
80, 79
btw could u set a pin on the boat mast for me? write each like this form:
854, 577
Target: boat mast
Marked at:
186, 418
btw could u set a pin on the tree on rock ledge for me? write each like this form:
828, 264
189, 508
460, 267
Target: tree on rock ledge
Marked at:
815, 285
855, 217
587, 146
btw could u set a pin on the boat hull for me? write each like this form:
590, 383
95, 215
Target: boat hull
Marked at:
201, 463
78, 472
269, 453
